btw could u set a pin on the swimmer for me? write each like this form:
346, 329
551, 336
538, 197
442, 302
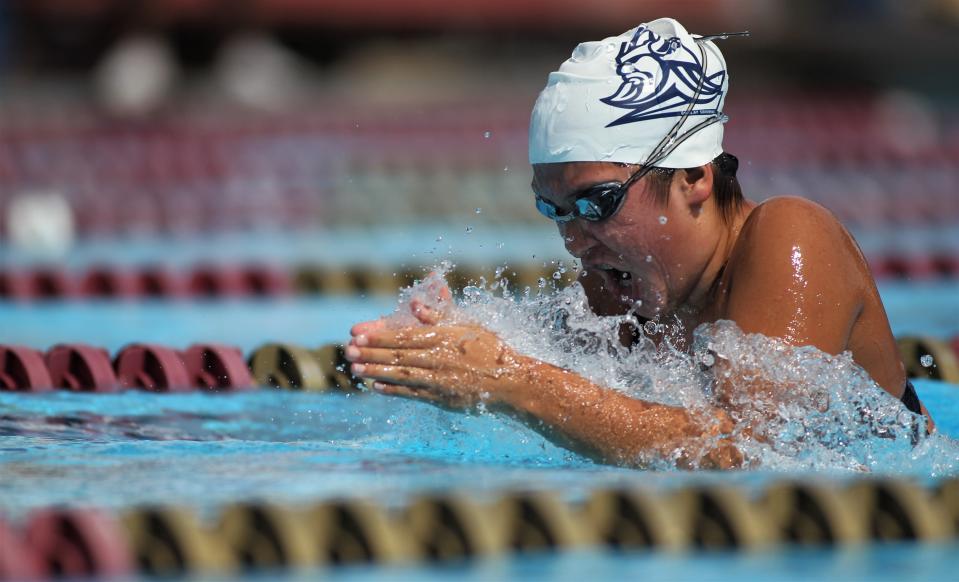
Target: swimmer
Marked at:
626, 148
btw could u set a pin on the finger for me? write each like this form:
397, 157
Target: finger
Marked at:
405, 392
403, 375
408, 338
366, 327
425, 313
392, 357
439, 289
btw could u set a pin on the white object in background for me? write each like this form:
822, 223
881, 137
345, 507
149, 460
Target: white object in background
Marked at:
256, 71
907, 122
136, 76
40, 223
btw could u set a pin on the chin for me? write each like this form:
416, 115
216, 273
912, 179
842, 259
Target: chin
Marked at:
649, 311
655, 299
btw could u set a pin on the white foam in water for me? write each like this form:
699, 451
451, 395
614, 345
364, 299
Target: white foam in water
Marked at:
815, 411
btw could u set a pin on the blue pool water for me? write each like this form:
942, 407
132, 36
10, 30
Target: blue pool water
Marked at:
892, 562
137, 448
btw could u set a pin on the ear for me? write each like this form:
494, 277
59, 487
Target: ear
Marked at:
696, 185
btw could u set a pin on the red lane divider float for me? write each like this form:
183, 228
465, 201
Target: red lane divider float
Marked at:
110, 283
211, 367
218, 367
156, 368
81, 368
161, 282
22, 369
238, 281
75, 543
202, 281
153, 368
37, 284
18, 561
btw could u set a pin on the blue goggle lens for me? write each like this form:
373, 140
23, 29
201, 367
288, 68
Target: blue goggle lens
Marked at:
596, 204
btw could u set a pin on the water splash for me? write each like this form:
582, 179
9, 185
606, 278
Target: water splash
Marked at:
795, 408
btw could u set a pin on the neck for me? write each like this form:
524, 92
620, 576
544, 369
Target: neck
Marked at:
704, 291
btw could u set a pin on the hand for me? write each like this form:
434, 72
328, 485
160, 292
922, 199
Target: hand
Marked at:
456, 366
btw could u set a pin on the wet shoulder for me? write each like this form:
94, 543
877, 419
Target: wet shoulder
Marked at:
789, 217
794, 274
787, 236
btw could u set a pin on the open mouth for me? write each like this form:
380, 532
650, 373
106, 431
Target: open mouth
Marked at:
623, 278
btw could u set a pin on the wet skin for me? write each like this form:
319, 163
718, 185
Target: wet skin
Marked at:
785, 268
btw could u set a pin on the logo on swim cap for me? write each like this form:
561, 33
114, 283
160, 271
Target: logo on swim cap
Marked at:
659, 79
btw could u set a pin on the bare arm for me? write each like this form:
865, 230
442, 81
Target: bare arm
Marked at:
460, 366
613, 427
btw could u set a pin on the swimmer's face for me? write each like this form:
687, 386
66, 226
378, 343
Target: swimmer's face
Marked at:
648, 254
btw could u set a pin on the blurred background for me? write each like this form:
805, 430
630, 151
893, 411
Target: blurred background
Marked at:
387, 132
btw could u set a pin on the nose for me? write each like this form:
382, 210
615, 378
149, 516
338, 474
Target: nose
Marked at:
576, 238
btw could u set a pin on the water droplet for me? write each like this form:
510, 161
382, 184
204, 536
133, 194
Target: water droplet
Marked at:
926, 361
663, 220
439, 238
500, 245
707, 359
650, 328
487, 134
479, 210
469, 229
649, 258
506, 168
557, 275
541, 282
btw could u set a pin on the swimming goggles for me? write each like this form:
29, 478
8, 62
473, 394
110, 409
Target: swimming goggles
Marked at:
603, 201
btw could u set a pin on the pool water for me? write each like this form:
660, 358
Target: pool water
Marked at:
892, 562
205, 450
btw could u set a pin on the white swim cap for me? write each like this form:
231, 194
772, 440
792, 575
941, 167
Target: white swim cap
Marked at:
621, 99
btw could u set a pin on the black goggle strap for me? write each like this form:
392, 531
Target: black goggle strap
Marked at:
669, 140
